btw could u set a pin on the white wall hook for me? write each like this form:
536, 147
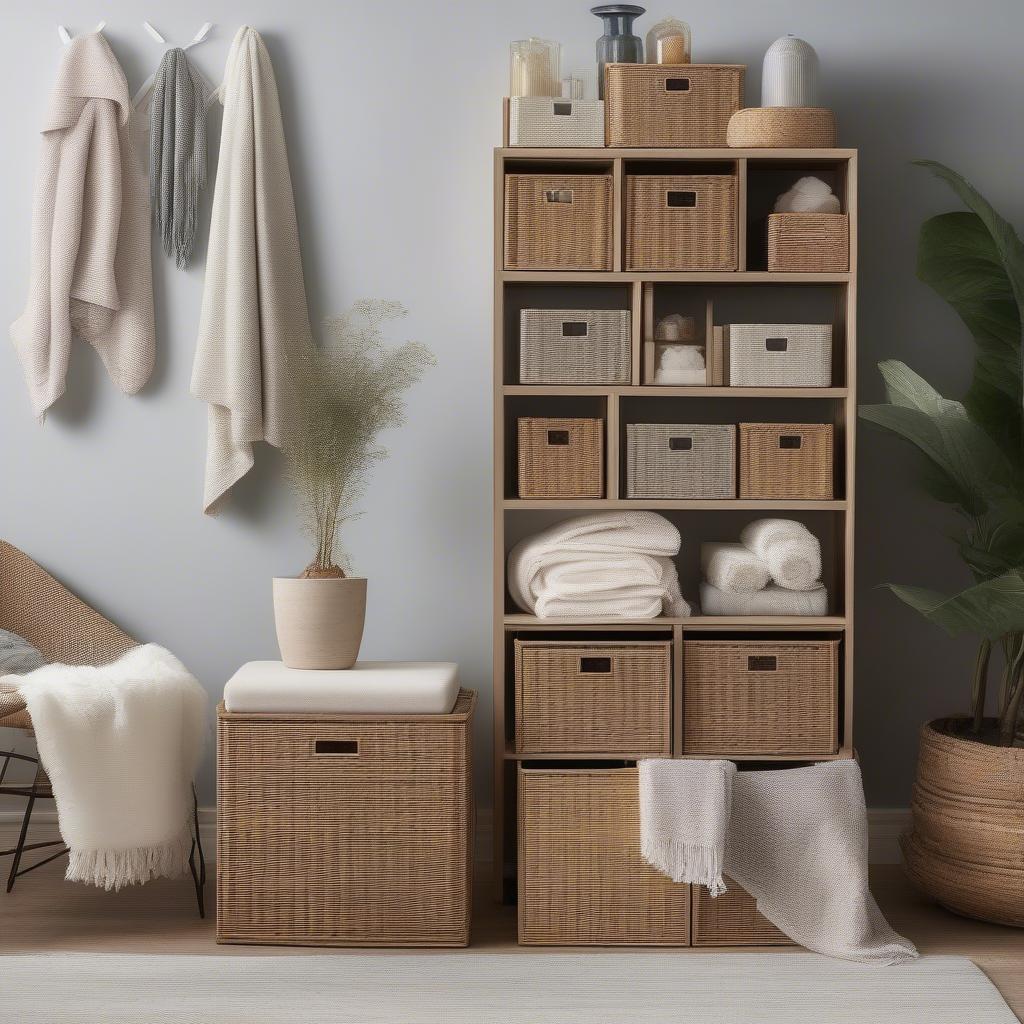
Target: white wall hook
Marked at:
66, 36
158, 36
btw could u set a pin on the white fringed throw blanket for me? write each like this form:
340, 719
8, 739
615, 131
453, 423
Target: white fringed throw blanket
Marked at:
91, 274
120, 744
254, 299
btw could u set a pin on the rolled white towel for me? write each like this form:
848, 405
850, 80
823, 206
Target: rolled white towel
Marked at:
733, 568
791, 552
680, 364
808, 195
773, 600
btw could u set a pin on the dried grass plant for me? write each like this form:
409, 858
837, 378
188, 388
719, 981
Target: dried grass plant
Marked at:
347, 390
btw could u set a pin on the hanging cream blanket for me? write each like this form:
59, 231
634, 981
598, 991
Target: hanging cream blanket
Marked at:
254, 301
91, 275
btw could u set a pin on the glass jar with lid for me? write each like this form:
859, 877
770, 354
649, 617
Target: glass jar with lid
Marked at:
668, 42
534, 68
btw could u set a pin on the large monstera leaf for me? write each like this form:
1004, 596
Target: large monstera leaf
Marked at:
990, 609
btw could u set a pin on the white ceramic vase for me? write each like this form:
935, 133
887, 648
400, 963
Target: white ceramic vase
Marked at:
319, 621
789, 75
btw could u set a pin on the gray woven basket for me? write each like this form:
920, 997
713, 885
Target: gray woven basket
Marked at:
780, 355
547, 121
574, 346
680, 460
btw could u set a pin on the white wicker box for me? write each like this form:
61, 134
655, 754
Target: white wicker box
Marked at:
574, 346
680, 460
780, 355
544, 121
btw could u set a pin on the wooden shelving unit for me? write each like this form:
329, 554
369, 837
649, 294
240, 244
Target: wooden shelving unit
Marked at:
817, 297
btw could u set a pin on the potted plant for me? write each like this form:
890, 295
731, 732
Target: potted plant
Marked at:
966, 846
345, 392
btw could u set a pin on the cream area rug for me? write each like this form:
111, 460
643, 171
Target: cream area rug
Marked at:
461, 988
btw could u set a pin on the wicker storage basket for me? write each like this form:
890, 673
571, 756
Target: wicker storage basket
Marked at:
782, 128
345, 830
732, 920
558, 222
671, 105
779, 355
582, 880
574, 346
593, 698
786, 460
680, 460
760, 697
812, 243
681, 222
545, 121
561, 458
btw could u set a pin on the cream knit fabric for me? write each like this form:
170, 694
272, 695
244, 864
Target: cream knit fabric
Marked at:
254, 300
91, 273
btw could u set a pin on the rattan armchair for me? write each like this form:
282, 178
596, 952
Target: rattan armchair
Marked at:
65, 629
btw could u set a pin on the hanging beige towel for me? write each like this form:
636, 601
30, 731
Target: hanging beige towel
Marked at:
254, 300
91, 275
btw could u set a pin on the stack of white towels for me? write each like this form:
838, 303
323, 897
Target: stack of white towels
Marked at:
775, 569
602, 565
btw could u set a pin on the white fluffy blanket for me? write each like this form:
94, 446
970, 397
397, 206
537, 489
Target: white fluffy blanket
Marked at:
120, 744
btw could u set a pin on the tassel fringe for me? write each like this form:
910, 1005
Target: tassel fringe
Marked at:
695, 863
114, 869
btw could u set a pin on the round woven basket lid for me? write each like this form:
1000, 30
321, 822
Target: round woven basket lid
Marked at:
782, 128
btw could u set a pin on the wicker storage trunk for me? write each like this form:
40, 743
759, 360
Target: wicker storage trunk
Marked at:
545, 121
605, 697
732, 920
780, 355
582, 880
345, 830
786, 460
681, 222
669, 105
760, 697
574, 346
558, 222
561, 458
814, 243
680, 460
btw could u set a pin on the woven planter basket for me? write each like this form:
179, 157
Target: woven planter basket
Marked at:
811, 243
782, 128
732, 920
966, 846
560, 458
786, 460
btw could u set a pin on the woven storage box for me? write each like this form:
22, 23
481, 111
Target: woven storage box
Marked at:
732, 919
680, 460
593, 698
760, 697
680, 222
813, 243
782, 128
582, 880
345, 830
574, 346
671, 105
786, 460
545, 121
561, 458
780, 355
558, 222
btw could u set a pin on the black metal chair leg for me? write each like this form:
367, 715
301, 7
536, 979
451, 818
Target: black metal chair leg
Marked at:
198, 877
20, 848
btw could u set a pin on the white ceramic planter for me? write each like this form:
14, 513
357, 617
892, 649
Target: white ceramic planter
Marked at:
319, 622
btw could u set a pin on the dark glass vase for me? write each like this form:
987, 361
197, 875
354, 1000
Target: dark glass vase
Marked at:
618, 45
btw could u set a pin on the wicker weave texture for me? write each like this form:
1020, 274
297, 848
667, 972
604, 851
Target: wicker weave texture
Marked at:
547, 122
582, 880
558, 222
345, 831
732, 920
680, 460
671, 105
574, 346
780, 355
593, 698
760, 697
681, 222
782, 128
812, 243
560, 457
787, 460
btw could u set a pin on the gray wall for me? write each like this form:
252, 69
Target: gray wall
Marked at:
391, 110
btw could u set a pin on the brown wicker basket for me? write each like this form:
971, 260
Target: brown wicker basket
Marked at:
782, 128
786, 460
760, 697
604, 697
681, 222
671, 105
582, 880
345, 830
558, 222
560, 458
732, 920
813, 243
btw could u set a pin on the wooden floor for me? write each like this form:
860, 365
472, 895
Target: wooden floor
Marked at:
46, 914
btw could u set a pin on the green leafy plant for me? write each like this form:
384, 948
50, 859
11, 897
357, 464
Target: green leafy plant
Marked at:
345, 392
974, 449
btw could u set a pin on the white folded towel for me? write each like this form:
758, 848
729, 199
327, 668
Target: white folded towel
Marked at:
773, 600
733, 568
791, 552
685, 809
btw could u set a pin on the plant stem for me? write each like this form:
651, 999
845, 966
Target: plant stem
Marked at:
980, 686
1014, 694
